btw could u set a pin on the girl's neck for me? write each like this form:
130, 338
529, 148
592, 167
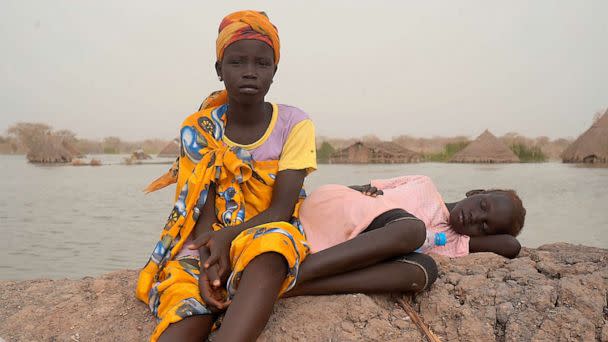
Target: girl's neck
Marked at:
246, 114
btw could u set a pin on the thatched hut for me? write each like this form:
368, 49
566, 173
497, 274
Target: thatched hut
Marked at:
49, 148
171, 150
591, 146
374, 153
139, 154
485, 149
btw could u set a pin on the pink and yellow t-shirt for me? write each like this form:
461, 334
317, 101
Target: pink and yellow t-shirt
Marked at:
334, 213
289, 138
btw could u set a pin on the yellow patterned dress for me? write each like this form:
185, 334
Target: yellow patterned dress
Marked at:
169, 285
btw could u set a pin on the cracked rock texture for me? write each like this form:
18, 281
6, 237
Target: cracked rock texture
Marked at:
558, 292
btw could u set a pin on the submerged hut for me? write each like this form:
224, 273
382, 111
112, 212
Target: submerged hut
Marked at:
136, 157
139, 154
485, 149
374, 153
591, 146
49, 148
171, 150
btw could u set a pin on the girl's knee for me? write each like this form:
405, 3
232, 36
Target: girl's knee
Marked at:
426, 267
193, 328
411, 234
430, 267
270, 264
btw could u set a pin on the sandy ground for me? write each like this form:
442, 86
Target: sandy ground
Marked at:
557, 292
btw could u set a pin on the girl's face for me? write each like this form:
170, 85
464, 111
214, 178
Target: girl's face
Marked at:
483, 214
247, 69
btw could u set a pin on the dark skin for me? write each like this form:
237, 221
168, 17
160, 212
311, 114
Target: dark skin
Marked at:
358, 265
485, 217
247, 69
355, 266
361, 265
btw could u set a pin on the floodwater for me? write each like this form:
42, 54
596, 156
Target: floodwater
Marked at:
64, 221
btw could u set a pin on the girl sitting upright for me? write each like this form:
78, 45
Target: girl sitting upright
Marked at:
239, 186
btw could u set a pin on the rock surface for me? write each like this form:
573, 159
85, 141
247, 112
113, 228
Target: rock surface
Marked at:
558, 292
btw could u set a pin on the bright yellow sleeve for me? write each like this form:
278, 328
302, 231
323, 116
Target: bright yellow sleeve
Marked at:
299, 151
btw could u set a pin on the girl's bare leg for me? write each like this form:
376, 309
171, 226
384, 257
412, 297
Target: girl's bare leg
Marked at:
252, 305
389, 276
395, 239
194, 328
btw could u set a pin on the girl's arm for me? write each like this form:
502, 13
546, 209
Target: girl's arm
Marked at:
206, 220
367, 189
297, 157
285, 194
210, 279
502, 244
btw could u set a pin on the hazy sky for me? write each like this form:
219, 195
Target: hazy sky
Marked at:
135, 69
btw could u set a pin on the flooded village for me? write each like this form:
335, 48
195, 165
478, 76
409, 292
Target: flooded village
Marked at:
41, 144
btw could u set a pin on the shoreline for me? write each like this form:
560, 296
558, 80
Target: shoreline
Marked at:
556, 291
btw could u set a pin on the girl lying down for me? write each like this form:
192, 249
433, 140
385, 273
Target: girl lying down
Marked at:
363, 237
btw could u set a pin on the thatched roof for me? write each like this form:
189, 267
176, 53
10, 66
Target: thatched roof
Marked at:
383, 152
139, 154
485, 149
50, 148
591, 146
392, 148
384, 146
171, 150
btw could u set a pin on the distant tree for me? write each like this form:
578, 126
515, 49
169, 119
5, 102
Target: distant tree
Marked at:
528, 154
324, 152
42, 144
111, 145
29, 134
449, 150
89, 146
67, 135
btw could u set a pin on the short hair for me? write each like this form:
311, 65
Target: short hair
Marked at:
519, 212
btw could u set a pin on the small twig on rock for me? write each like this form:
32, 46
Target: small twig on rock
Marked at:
418, 321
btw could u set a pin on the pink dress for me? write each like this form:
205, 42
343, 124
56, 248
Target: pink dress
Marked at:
334, 213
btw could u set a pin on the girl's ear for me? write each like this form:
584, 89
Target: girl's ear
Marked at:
218, 69
474, 192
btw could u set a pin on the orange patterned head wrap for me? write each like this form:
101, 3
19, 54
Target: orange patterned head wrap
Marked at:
247, 25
